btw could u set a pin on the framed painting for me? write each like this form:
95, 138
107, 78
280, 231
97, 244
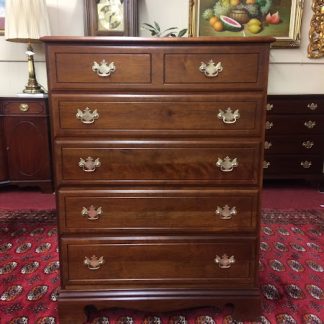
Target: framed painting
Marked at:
316, 31
110, 17
2, 16
278, 18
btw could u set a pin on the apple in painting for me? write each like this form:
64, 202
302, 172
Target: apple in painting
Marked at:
273, 19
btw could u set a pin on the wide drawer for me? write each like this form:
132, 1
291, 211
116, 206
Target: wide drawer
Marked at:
302, 144
298, 124
158, 162
293, 164
158, 261
24, 107
151, 115
140, 210
295, 104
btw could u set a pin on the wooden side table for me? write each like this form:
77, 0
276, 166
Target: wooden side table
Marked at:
25, 158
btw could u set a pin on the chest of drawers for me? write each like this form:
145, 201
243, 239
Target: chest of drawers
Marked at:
158, 147
294, 138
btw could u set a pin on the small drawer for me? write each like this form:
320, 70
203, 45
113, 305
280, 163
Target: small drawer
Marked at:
282, 144
290, 124
225, 67
293, 164
295, 104
25, 108
228, 210
162, 261
154, 162
218, 115
99, 67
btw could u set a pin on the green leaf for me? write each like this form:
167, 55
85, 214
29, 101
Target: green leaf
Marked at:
182, 32
157, 26
148, 25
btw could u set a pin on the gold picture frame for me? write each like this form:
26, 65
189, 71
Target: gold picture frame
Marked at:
316, 32
110, 17
278, 18
2, 17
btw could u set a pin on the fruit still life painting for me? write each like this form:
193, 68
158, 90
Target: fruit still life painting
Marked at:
244, 17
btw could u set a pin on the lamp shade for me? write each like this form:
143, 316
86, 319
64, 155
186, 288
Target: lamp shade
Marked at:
26, 20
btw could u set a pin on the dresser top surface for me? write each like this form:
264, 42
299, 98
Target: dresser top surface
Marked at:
156, 40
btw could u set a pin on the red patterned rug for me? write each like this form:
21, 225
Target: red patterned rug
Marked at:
291, 273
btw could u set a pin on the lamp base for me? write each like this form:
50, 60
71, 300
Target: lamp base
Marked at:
33, 89
32, 86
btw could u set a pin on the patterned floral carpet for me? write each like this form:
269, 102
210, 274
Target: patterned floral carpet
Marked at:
291, 273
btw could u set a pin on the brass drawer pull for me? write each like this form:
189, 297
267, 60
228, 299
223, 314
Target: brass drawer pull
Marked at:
87, 116
310, 124
211, 69
312, 106
266, 164
226, 212
227, 165
269, 107
93, 263
224, 262
23, 107
103, 69
89, 164
267, 145
308, 144
306, 164
92, 213
268, 125
228, 117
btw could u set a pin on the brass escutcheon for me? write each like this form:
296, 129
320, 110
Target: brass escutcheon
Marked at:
224, 262
211, 69
23, 107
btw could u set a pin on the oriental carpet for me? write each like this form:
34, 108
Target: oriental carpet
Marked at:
291, 272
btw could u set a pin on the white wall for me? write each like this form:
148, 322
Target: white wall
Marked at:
291, 72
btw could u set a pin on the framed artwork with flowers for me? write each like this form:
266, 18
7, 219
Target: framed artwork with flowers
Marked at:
110, 17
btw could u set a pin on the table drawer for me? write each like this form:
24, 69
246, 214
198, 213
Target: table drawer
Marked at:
293, 164
161, 261
24, 107
299, 144
298, 124
296, 104
151, 115
145, 162
98, 210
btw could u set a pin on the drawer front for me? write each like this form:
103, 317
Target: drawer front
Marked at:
93, 68
226, 67
144, 163
159, 67
293, 164
301, 124
158, 210
151, 115
25, 108
163, 262
306, 144
310, 105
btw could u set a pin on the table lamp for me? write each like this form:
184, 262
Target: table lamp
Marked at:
26, 21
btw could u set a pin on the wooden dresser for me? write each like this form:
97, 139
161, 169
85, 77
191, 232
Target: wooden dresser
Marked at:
158, 147
25, 158
294, 138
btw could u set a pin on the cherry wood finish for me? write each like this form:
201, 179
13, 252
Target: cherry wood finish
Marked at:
146, 227
25, 143
295, 132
